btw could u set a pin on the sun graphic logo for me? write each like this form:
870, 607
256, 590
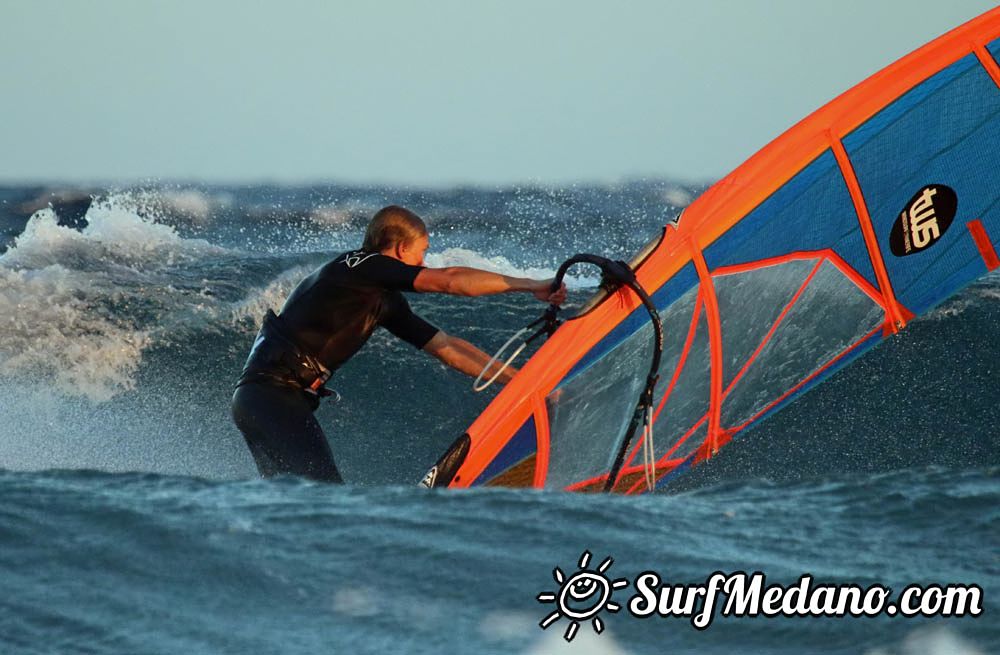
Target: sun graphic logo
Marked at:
582, 596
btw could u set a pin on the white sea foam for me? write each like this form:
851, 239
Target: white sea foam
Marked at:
52, 332
585, 642
188, 202
328, 215
83, 306
356, 602
63, 293
272, 296
931, 640
507, 625
986, 290
189, 205
115, 233
677, 196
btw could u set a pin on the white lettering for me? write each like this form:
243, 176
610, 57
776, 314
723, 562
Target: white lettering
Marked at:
961, 600
822, 601
678, 600
772, 600
850, 595
930, 603
643, 604
905, 601
704, 618
796, 598
743, 600
874, 600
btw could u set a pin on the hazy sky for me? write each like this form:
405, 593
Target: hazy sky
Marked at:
428, 93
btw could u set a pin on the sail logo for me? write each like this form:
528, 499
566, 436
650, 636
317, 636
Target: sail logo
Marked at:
924, 220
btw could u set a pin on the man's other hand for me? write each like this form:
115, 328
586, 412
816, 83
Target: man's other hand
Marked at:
546, 294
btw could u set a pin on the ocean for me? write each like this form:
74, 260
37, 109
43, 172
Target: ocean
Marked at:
132, 519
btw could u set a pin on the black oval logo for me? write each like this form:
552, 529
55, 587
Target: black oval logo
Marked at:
924, 220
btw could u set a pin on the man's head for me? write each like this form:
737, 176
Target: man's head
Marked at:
399, 233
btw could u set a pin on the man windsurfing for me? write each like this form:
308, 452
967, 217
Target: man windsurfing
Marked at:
329, 316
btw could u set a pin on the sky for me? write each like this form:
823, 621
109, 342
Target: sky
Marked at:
432, 93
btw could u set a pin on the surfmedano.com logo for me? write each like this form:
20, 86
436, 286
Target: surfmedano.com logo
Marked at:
584, 595
581, 596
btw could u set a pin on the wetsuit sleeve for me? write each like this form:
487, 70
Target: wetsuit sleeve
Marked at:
388, 273
399, 319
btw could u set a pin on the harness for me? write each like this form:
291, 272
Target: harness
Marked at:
278, 359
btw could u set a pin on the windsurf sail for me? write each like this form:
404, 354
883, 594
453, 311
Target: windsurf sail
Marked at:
870, 211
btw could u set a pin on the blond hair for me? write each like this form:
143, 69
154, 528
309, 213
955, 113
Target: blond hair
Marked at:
391, 225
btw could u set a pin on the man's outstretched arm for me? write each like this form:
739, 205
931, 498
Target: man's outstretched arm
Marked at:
462, 356
462, 281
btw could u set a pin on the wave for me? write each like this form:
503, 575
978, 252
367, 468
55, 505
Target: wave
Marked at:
83, 305
116, 232
53, 332
343, 214
280, 565
984, 291
272, 296
189, 205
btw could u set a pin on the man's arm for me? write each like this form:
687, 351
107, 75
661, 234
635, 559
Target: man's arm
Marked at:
462, 281
462, 356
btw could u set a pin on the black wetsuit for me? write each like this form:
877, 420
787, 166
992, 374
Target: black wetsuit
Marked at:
325, 320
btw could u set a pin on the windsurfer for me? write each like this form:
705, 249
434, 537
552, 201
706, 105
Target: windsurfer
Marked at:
329, 316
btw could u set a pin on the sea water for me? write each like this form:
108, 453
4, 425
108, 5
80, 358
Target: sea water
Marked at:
132, 519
